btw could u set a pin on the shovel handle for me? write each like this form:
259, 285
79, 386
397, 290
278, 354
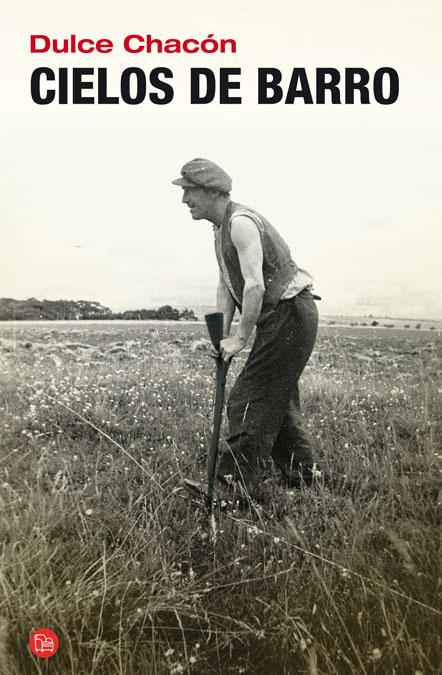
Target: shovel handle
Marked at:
215, 326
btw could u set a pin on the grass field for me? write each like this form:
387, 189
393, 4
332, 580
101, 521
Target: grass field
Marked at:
101, 422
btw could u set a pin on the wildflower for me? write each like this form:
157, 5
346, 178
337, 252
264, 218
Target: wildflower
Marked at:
315, 472
376, 654
253, 530
89, 512
177, 669
169, 652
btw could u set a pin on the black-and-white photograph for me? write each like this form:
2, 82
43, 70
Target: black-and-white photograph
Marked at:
220, 338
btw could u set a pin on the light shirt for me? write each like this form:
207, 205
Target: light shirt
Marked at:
300, 281
219, 255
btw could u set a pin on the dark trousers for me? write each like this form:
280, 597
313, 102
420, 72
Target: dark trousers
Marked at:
263, 409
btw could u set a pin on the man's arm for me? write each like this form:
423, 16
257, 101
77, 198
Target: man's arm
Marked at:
225, 304
247, 241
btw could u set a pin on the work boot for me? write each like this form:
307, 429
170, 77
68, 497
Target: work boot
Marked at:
297, 480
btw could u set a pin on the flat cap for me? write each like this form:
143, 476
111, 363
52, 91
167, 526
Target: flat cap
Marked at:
204, 173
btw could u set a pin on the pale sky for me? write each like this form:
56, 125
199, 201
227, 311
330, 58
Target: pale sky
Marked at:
87, 207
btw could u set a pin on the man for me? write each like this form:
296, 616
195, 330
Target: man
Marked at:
258, 277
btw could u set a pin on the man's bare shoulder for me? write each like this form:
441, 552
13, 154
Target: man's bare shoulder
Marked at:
244, 230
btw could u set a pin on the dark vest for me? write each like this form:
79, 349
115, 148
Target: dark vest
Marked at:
278, 267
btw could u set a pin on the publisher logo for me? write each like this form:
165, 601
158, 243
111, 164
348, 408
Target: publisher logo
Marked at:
44, 643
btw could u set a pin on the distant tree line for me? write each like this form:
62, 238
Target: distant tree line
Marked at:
68, 310
166, 312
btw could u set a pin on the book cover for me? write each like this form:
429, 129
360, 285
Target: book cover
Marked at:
326, 116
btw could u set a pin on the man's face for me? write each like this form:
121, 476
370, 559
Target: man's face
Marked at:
199, 202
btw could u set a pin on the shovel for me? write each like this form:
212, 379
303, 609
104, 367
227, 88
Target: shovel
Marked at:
215, 328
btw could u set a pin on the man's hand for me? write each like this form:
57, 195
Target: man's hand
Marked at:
231, 346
